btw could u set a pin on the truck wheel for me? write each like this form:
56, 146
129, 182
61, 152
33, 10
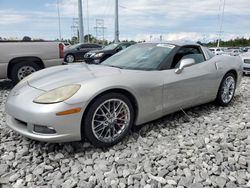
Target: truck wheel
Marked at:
23, 69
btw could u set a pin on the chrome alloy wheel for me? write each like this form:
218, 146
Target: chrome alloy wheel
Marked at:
228, 89
25, 71
110, 120
70, 58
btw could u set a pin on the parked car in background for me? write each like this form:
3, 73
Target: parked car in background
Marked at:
98, 56
234, 52
246, 62
102, 102
216, 51
76, 52
19, 59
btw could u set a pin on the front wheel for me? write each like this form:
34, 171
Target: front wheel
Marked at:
227, 90
108, 120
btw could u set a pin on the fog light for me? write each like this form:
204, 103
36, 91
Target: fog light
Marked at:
44, 129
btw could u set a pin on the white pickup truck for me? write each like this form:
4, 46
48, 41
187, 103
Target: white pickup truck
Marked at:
19, 59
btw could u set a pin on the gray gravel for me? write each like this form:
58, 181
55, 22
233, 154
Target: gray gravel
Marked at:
211, 149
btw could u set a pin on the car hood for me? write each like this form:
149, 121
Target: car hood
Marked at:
59, 76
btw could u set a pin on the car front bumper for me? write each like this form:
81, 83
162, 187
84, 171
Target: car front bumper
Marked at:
23, 115
246, 70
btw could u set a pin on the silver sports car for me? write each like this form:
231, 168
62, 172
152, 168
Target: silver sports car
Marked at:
102, 102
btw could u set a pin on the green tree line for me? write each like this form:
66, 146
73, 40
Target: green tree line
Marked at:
238, 42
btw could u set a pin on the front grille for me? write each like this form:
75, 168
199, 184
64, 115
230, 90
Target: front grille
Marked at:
247, 69
247, 61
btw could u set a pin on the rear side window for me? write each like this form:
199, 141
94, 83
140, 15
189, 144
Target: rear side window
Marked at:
94, 46
208, 52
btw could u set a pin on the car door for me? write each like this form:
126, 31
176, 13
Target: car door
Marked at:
193, 86
82, 50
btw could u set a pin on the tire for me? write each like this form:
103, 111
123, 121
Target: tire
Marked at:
224, 99
94, 130
70, 58
23, 69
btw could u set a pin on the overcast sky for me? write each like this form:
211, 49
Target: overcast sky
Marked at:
139, 19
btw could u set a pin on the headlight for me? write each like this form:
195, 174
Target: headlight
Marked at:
57, 95
99, 55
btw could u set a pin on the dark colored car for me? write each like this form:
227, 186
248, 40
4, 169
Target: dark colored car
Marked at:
98, 56
77, 52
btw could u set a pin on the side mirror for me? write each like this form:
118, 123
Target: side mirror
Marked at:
185, 63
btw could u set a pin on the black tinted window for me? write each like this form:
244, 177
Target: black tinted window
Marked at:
188, 52
94, 46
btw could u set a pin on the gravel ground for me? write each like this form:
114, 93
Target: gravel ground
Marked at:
211, 148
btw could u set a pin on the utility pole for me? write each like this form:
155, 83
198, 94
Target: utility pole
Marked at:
81, 34
75, 28
221, 23
99, 29
59, 21
88, 20
116, 22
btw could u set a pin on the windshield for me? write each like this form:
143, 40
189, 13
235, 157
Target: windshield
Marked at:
140, 57
111, 46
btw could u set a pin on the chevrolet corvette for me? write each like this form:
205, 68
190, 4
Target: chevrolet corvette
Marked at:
102, 102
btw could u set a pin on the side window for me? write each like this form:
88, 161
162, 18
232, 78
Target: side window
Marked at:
83, 46
93, 46
208, 52
188, 52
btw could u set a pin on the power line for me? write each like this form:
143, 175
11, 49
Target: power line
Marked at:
100, 29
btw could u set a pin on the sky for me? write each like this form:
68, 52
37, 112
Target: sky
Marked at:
191, 20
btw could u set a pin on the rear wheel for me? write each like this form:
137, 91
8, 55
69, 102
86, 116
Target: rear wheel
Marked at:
108, 120
23, 69
227, 90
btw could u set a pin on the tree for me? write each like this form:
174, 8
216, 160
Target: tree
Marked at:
238, 42
74, 40
26, 39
